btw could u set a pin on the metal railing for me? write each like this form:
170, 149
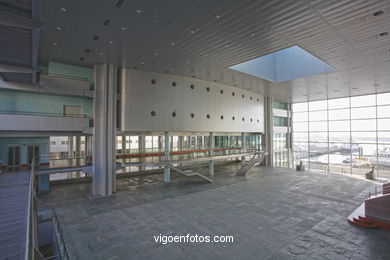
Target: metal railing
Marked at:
377, 191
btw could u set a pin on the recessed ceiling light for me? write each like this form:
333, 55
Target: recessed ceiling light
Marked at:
63, 9
59, 28
123, 28
156, 54
206, 54
192, 31
384, 34
173, 44
217, 16
142, 63
111, 42
101, 53
54, 43
188, 62
377, 13
139, 11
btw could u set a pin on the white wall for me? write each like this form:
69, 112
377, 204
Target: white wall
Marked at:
140, 97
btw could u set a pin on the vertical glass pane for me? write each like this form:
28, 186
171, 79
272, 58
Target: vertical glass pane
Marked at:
338, 103
383, 99
339, 137
383, 111
318, 115
339, 125
318, 126
300, 127
363, 125
299, 107
300, 117
384, 137
318, 105
301, 136
384, 124
318, 136
339, 114
364, 137
360, 101
363, 112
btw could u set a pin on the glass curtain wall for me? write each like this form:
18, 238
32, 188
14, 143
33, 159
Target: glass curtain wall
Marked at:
347, 135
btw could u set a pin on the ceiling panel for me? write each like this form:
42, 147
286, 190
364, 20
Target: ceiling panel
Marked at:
203, 38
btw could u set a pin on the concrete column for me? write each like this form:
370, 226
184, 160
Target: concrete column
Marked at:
268, 127
70, 147
104, 138
123, 144
243, 145
141, 149
167, 170
211, 152
189, 142
180, 143
160, 143
78, 146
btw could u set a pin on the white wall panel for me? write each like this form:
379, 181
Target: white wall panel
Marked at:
140, 97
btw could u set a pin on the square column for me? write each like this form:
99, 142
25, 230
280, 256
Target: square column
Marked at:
167, 170
104, 138
211, 152
268, 127
243, 147
123, 144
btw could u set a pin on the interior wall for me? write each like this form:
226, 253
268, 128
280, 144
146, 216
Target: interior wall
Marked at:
144, 92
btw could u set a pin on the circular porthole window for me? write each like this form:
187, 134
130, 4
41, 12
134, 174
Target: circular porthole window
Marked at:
258, 121
208, 116
251, 119
243, 96
233, 94
233, 118
192, 115
221, 117
153, 113
221, 91
243, 119
174, 114
153, 81
192, 86
258, 100
174, 84
250, 98
208, 89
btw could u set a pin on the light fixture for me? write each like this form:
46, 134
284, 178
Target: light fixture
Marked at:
101, 53
142, 63
192, 31
139, 11
217, 16
111, 42
173, 44
59, 28
106, 22
54, 43
253, 34
96, 37
383, 34
156, 54
123, 28
63, 9
188, 62
378, 13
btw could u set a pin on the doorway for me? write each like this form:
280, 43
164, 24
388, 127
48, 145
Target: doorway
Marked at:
33, 154
13, 157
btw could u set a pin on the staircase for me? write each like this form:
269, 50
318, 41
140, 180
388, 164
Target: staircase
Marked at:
374, 212
247, 166
189, 173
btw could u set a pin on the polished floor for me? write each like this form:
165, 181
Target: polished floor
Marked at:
272, 214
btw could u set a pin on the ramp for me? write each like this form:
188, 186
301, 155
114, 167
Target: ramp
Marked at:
247, 166
189, 173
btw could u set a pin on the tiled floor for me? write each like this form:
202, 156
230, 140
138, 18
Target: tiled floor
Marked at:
272, 214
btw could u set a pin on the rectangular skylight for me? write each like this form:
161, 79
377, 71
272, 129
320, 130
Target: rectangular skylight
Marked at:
287, 64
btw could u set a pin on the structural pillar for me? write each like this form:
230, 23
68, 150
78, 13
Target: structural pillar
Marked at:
104, 138
211, 152
167, 170
268, 129
123, 144
78, 147
70, 146
243, 145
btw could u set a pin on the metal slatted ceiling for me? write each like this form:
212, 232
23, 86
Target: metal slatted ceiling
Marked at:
340, 32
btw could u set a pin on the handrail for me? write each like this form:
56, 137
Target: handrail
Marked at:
13, 112
30, 236
375, 193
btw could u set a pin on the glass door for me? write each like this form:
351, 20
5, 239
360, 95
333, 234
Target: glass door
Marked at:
13, 157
